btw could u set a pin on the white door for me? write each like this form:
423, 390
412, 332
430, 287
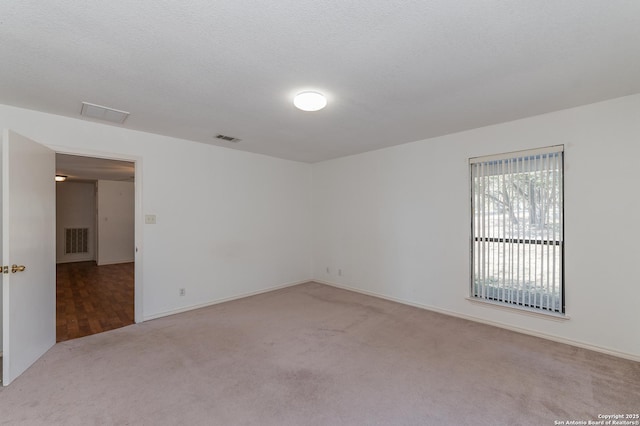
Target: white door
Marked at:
28, 239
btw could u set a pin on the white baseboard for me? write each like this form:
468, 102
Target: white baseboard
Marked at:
551, 337
92, 259
217, 301
115, 262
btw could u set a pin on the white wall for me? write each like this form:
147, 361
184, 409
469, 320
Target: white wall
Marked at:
397, 221
1, 258
75, 208
116, 208
228, 222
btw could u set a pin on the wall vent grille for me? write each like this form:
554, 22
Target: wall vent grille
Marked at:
76, 240
228, 138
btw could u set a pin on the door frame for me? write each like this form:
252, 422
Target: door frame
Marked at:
138, 215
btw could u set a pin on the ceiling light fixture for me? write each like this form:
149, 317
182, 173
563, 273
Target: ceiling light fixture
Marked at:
310, 101
60, 178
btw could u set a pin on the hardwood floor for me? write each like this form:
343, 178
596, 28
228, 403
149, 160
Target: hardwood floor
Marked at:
91, 299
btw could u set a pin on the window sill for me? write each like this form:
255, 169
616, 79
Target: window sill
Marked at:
521, 310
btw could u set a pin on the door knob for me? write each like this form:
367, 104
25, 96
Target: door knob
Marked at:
15, 268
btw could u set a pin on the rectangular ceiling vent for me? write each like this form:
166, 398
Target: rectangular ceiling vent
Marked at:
228, 138
103, 113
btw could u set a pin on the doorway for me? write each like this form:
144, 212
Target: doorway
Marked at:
95, 245
28, 217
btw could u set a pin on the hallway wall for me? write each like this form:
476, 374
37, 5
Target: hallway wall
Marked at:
75, 208
116, 209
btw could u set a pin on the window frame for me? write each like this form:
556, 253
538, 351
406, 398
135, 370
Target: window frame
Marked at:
561, 242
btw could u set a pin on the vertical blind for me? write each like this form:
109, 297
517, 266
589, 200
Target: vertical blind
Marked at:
517, 229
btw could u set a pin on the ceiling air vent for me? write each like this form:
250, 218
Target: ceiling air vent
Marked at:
228, 138
103, 113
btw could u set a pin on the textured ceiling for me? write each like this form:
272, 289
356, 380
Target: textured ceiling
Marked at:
395, 71
78, 168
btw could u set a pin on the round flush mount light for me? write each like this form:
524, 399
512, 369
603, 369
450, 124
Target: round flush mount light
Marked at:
60, 178
310, 101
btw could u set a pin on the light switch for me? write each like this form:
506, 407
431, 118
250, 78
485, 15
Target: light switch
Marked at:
150, 219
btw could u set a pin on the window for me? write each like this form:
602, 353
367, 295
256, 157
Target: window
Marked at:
517, 229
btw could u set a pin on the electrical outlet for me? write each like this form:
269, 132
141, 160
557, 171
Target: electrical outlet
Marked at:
182, 292
328, 272
339, 272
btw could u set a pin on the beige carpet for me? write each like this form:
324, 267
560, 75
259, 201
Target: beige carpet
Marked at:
316, 355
